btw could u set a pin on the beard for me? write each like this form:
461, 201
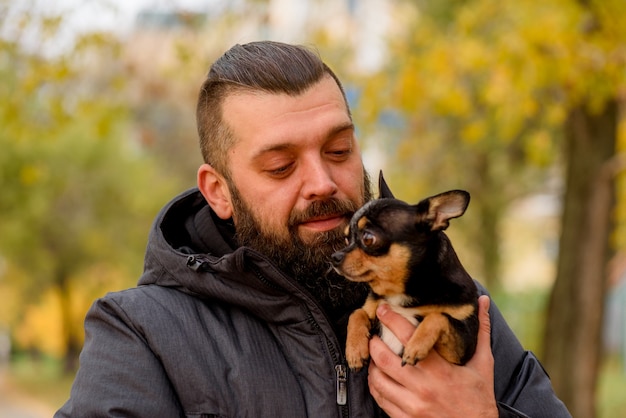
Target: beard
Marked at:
307, 262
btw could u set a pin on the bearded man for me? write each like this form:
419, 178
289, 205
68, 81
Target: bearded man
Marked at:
238, 314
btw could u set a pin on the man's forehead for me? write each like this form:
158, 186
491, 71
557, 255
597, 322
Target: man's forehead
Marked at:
243, 96
274, 121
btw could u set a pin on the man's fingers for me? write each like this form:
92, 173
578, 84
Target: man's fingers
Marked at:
388, 380
403, 329
397, 324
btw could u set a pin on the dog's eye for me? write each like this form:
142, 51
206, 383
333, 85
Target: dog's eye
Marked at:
368, 239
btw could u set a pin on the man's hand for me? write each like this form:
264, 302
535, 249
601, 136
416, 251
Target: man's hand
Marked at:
433, 387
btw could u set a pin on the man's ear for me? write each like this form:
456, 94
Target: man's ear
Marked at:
214, 188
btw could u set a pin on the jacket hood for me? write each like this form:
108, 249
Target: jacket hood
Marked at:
191, 250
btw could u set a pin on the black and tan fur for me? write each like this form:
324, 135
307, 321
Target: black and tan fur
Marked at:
401, 251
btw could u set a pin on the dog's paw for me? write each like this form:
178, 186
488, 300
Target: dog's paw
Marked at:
411, 362
357, 355
412, 356
357, 364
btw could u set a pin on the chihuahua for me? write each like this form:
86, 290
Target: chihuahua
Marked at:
401, 251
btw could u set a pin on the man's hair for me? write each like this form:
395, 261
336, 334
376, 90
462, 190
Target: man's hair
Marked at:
266, 66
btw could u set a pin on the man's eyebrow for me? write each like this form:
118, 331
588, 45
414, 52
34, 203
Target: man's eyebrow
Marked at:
286, 146
348, 126
283, 146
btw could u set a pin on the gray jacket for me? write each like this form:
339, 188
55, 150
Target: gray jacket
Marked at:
214, 331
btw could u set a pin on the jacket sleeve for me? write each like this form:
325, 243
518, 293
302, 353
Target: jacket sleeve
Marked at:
523, 388
118, 375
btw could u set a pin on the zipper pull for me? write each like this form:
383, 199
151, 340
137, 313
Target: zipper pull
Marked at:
197, 263
342, 384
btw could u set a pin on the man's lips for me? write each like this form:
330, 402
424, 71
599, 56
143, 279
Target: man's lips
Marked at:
323, 223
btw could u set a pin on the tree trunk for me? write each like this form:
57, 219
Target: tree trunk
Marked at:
572, 341
71, 340
488, 205
490, 245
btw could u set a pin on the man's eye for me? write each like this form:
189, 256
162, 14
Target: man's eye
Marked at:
340, 153
368, 239
280, 171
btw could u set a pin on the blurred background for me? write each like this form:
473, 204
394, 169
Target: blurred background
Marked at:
522, 103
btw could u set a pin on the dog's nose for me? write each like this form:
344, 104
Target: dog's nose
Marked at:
338, 257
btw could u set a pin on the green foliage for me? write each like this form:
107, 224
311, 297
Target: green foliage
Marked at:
611, 401
78, 189
483, 89
524, 312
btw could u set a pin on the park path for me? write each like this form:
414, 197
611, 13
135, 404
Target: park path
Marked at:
14, 404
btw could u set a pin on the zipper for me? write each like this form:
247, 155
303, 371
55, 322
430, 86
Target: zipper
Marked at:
200, 263
259, 274
342, 384
341, 372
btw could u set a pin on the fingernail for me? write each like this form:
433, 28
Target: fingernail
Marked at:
382, 310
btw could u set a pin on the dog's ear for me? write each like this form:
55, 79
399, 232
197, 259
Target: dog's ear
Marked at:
439, 209
385, 191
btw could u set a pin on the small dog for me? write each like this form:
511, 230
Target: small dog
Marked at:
409, 263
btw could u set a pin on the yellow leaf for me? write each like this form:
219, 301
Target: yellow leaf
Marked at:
29, 175
474, 132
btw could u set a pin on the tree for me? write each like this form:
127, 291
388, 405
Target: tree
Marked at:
484, 88
472, 118
573, 330
77, 190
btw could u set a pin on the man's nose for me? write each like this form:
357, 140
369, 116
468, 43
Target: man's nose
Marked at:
318, 181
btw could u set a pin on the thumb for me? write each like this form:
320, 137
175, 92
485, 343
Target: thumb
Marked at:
483, 354
484, 319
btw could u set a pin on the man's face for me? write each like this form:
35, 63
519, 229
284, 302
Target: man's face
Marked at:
295, 179
295, 164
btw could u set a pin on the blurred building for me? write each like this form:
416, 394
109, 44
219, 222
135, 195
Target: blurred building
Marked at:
615, 309
168, 49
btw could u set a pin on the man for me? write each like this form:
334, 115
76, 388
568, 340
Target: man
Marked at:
238, 314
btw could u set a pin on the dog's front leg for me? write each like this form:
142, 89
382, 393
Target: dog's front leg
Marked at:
358, 336
357, 341
424, 338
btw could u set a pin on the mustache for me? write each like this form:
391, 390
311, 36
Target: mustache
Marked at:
320, 208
